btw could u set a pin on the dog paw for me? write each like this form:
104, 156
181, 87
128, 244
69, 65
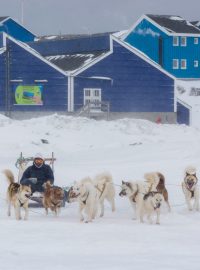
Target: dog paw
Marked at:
134, 218
158, 223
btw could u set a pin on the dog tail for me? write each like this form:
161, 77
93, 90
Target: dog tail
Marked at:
152, 178
161, 183
105, 176
9, 176
47, 184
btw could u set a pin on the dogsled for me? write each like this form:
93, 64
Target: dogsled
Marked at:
22, 163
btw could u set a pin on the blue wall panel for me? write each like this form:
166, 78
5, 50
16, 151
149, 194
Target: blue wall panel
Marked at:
17, 31
78, 45
183, 114
134, 85
27, 67
1, 40
145, 37
2, 82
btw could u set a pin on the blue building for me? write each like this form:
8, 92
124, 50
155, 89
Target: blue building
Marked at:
170, 41
131, 83
64, 75
29, 83
15, 30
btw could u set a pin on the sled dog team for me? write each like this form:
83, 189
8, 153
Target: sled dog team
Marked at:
146, 197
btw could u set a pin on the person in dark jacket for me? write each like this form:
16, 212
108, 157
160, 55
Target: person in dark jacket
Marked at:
37, 174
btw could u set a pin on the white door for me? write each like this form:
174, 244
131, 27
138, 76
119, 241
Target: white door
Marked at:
93, 96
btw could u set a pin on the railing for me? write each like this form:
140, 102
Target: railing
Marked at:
95, 110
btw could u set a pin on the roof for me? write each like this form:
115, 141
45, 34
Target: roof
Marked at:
72, 62
195, 23
71, 36
174, 24
4, 18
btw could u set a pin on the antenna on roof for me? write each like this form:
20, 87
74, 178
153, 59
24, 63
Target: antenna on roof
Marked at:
22, 12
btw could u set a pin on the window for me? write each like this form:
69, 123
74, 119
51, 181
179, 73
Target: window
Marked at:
196, 63
183, 64
87, 93
96, 93
183, 41
175, 64
175, 41
196, 40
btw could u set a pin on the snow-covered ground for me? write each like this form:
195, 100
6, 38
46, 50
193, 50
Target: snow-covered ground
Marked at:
126, 148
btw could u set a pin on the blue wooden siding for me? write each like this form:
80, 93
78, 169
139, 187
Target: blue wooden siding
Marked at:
146, 36
183, 114
70, 46
134, 85
27, 67
17, 31
1, 40
2, 82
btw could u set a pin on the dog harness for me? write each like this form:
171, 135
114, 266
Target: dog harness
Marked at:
84, 201
151, 193
101, 191
21, 204
135, 194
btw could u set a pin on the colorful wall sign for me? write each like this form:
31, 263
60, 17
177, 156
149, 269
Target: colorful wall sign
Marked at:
28, 95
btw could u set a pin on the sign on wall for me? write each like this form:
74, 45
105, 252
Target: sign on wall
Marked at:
28, 95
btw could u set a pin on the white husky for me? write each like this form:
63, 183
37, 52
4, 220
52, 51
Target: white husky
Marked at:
87, 196
152, 202
135, 192
104, 184
102, 189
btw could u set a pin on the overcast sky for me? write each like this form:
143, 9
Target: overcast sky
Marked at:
43, 17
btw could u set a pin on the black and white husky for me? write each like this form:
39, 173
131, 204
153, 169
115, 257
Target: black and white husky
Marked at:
191, 189
135, 192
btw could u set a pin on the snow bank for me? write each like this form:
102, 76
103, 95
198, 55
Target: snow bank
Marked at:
126, 148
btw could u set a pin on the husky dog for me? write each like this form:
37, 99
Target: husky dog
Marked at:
17, 195
190, 188
105, 189
157, 182
87, 196
53, 198
135, 192
151, 203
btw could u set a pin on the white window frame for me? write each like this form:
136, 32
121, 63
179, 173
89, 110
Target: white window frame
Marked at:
185, 64
183, 41
175, 64
196, 40
175, 41
196, 63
